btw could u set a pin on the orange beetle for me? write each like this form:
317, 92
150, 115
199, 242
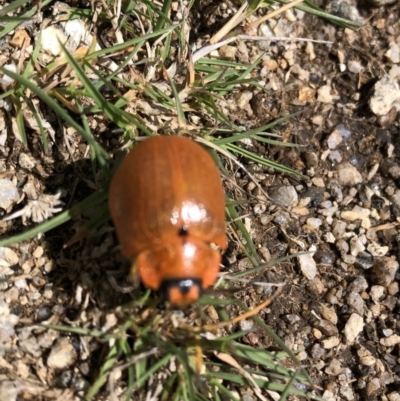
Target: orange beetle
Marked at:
168, 207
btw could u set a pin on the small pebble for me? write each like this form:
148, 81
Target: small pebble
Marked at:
315, 286
326, 327
331, 342
26, 161
62, 354
324, 94
357, 213
386, 94
311, 159
8, 390
395, 396
314, 223
372, 387
282, 218
317, 351
377, 250
393, 53
8, 257
9, 194
358, 285
38, 252
356, 246
328, 396
284, 196
368, 360
353, 327
346, 392
334, 368
390, 341
335, 156
228, 52
384, 271
356, 303
364, 260
329, 314
377, 292
348, 174
354, 66
6, 80
43, 314
393, 288
334, 139
307, 266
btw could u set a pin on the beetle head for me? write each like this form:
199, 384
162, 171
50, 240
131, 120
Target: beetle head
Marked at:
181, 269
181, 292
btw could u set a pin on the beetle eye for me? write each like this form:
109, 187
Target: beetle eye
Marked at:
183, 231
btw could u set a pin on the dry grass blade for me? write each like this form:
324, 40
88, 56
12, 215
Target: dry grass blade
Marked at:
273, 14
232, 362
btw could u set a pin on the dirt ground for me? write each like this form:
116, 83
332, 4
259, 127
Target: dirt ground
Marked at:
339, 309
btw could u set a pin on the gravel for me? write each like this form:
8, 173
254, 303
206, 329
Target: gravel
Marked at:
339, 308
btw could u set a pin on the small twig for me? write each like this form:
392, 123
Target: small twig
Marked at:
386, 226
239, 16
208, 49
273, 14
246, 281
243, 316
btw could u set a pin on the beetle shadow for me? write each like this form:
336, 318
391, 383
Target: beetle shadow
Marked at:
90, 271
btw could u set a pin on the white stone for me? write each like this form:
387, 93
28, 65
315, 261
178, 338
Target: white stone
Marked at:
307, 265
393, 53
357, 213
329, 314
376, 292
353, 327
62, 355
334, 139
394, 396
377, 250
348, 174
386, 95
8, 390
331, 342
6, 80
390, 341
324, 94
8, 257
329, 238
355, 66
313, 223
368, 360
9, 194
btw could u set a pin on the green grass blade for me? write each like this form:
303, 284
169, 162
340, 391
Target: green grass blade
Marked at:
102, 154
13, 24
20, 119
111, 360
248, 248
178, 104
162, 19
132, 42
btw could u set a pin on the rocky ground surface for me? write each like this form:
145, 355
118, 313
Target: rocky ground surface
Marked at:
339, 310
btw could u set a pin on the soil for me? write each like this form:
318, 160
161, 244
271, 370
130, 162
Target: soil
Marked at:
339, 308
